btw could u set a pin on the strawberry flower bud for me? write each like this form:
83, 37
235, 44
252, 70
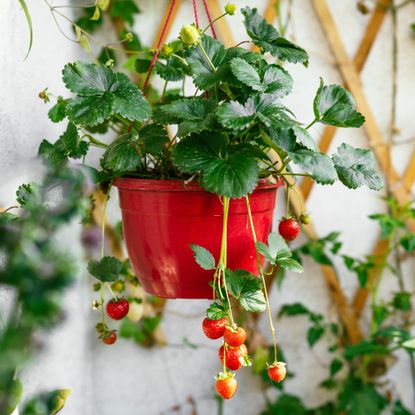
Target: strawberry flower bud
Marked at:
189, 35
230, 8
166, 50
129, 37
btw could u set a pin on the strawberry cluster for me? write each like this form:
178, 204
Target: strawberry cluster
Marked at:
233, 353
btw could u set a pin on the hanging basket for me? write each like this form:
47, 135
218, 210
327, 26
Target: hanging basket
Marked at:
161, 218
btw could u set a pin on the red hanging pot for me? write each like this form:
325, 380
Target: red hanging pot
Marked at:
162, 217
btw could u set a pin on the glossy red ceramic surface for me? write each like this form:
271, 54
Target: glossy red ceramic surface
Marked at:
162, 217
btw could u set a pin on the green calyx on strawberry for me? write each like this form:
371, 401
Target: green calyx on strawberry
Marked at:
235, 357
234, 336
226, 384
277, 371
289, 229
117, 309
214, 329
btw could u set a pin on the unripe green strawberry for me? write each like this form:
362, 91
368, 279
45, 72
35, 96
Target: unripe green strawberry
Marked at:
230, 8
305, 218
189, 35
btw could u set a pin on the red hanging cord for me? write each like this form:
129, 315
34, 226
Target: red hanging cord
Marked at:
209, 16
159, 43
196, 13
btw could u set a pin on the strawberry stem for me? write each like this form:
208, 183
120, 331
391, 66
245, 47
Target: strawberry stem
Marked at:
271, 325
103, 220
111, 291
223, 253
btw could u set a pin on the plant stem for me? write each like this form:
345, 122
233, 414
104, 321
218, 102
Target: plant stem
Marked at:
111, 291
311, 123
103, 220
165, 88
223, 253
207, 56
213, 21
271, 325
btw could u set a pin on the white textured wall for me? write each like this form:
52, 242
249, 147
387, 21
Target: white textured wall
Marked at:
125, 379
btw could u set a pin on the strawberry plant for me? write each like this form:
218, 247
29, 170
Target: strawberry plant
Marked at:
231, 133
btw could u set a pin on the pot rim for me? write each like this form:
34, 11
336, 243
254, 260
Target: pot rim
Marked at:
176, 185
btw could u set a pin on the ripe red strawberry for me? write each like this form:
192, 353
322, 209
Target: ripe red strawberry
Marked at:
117, 309
214, 329
226, 385
109, 337
277, 371
289, 229
234, 356
234, 337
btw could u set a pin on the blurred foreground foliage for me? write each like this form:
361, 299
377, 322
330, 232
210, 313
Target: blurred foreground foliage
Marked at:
35, 270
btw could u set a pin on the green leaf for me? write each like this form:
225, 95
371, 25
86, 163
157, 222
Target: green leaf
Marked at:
69, 145
204, 76
334, 105
174, 70
216, 311
88, 79
357, 167
25, 192
49, 403
57, 112
295, 309
402, 301
107, 269
290, 264
90, 110
286, 404
122, 155
278, 253
194, 153
100, 93
304, 138
129, 101
267, 38
335, 366
314, 334
29, 25
246, 73
318, 165
247, 288
15, 397
154, 137
264, 107
399, 409
237, 116
232, 176
124, 10
277, 81
358, 398
203, 257
408, 242
194, 114
231, 172
363, 348
409, 344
